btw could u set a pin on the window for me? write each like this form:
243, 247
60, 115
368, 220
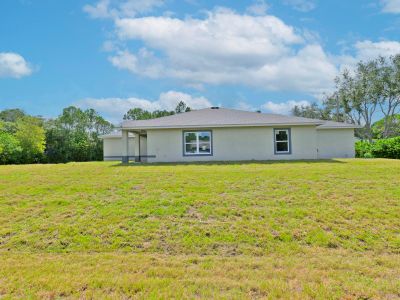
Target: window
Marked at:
197, 143
282, 141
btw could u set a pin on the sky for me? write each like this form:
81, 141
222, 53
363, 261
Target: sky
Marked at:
113, 55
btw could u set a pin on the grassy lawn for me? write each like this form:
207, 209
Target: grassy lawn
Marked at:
299, 230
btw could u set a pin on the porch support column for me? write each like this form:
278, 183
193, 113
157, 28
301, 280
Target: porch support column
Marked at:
125, 147
137, 147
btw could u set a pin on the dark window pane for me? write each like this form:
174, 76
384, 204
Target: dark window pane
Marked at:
204, 136
281, 135
282, 147
191, 148
190, 137
205, 148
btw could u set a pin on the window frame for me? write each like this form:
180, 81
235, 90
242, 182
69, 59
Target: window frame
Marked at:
197, 143
289, 141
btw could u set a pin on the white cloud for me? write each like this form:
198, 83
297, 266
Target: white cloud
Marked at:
301, 5
170, 99
258, 8
143, 63
98, 10
13, 65
125, 60
242, 105
310, 70
225, 48
115, 108
283, 107
391, 6
121, 8
367, 50
109, 46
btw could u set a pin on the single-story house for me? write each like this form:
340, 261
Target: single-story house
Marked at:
221, 134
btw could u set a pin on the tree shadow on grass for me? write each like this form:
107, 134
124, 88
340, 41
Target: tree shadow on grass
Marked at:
229, 163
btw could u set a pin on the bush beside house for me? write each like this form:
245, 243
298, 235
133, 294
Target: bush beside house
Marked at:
384, 148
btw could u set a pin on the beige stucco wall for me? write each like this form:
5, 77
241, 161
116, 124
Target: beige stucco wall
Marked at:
112, 148
335, 143
240, 143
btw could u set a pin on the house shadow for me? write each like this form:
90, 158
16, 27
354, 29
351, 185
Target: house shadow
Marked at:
229, 163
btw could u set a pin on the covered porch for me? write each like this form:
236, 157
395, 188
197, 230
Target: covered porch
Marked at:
139, 146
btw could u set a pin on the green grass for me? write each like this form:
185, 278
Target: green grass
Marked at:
326, 230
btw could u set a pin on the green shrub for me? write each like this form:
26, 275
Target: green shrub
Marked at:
384, 148
368, 155
363, 149
387, 148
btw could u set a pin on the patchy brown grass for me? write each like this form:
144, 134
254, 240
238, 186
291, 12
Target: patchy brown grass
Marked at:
299, 230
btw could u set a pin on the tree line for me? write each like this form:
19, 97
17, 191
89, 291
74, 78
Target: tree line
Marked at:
72, 136
361, 95
141, 114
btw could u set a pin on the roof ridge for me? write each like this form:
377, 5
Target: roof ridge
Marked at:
223, 117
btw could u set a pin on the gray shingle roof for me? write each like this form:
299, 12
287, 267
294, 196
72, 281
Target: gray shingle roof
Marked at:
223, 117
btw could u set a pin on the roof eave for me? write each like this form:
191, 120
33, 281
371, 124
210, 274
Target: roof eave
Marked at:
105, 136
222, 125
339, 127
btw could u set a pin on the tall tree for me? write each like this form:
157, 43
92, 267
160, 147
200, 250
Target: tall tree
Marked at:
11, 115
31, 137
380, 130
10, 148
182, 107
74, 135
161, 113
372, 88
387, 89
141, 114
356, 95
312, 111
137, 114
333, 106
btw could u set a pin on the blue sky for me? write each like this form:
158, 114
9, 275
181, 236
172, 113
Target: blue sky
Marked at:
115, 54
